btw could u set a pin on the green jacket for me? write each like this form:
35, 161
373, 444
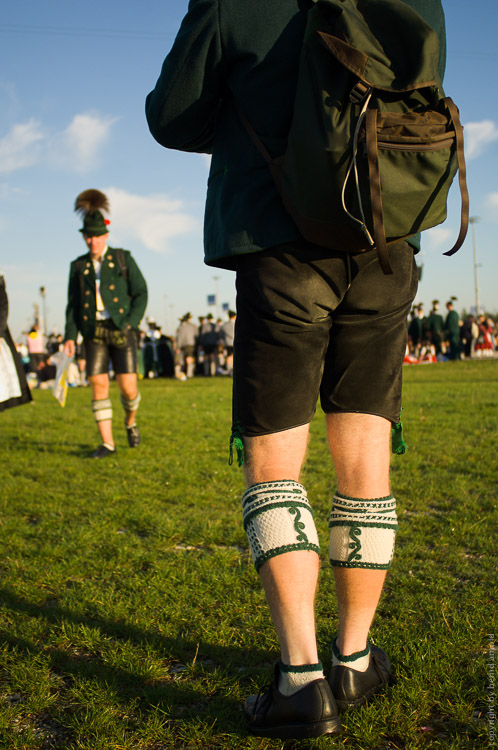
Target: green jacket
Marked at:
435, 323
246, 52
452, 325
124, 299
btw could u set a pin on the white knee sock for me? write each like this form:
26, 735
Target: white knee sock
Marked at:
277, 519
102, 409
362, 532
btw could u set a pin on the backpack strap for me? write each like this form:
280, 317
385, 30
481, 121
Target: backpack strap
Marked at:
379, 231
462, 175
80, 264
121, 260
253, 135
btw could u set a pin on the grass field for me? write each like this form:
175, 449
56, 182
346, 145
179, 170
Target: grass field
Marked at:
131, 616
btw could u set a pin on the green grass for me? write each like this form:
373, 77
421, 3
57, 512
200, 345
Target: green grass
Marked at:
131, 615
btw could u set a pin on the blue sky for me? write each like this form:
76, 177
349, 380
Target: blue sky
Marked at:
73, 79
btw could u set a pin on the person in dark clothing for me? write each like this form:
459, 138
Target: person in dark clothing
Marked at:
309, 321
452, 330
435, 327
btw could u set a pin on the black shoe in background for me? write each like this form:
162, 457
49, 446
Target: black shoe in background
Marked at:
133, 435
103, 451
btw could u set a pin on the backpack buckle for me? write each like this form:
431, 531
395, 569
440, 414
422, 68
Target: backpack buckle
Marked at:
359, 92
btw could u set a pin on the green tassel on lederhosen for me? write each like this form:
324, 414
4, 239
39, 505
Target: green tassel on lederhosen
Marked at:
398, 445
236, 440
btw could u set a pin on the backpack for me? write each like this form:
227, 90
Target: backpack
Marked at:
374, 144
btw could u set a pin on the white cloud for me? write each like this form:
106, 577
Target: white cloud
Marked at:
478, 135
79, 146
491, 205
152, 219
20, 147
437, 236
76, 148
7, 190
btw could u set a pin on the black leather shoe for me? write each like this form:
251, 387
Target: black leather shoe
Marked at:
310, 712
103, 451
133, 436
351, 688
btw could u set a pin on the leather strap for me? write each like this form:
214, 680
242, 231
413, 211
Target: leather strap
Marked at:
253, 135
462, 175
379, 232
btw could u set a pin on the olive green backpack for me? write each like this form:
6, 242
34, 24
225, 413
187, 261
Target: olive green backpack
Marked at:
374, 144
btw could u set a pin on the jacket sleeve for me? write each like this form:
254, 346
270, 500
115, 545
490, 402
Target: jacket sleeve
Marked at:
181, 110
73, 302
137, 289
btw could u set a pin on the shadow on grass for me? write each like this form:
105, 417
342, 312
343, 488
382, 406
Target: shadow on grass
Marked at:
178, 693
19, 444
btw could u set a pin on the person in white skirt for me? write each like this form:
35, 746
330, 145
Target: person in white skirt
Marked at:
14, 389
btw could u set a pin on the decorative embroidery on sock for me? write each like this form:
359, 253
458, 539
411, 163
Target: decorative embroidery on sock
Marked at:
293, 678
102, 409
278, 518
358, 661
130, 404
362, 532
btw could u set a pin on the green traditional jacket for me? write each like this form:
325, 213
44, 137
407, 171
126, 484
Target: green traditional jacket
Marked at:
435, 323
235, 51
124, 299
452, 325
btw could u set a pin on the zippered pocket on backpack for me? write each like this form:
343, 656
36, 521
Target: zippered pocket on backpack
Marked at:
410, 146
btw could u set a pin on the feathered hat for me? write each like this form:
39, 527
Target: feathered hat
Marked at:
89, 205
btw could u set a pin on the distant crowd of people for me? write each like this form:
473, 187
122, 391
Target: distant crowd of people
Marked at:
436, 337
204, 348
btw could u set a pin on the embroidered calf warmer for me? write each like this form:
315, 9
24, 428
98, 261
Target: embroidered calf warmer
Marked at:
362, 532
102, 409
130, 404
278, 518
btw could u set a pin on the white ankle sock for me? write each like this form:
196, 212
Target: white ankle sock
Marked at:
359, 661
293, 678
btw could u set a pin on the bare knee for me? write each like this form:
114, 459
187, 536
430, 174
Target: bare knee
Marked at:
360, 447
100, 386
280, 455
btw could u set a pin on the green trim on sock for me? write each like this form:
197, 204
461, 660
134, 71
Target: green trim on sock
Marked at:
364, 524
363, 499
292, 506
372, 566
292, 668
307, 547
351, 657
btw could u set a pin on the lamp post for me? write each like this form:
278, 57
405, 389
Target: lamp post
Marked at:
472, 221
216, 279
172, 330
43, 294
166, 319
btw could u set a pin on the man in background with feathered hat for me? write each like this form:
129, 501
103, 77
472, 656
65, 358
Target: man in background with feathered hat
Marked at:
107, 297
